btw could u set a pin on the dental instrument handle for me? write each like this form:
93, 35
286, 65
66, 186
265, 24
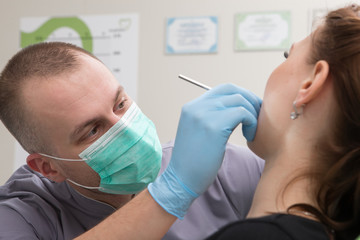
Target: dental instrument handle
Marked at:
194, 82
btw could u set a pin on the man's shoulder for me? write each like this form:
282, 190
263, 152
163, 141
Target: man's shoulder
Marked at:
26, 200
24, 178
50, 209
32, 189
237, 154
231, 149
240, 150
240, 171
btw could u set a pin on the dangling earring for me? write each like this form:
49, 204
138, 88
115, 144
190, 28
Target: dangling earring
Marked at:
294, 115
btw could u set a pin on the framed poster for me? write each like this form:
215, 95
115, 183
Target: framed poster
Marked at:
262, 31
191, 35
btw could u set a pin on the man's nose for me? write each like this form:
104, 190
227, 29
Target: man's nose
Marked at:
114, 119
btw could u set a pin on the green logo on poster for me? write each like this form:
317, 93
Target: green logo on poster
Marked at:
44, 31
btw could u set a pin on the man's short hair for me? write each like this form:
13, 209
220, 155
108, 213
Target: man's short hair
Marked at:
36, 62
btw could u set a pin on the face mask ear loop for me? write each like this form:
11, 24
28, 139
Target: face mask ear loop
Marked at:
83, 186
63, 159
71, 160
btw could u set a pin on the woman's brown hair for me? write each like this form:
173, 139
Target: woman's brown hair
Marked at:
337, 41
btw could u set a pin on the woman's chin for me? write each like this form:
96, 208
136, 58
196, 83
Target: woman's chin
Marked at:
255, 146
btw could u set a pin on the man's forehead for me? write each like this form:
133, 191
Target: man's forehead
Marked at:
92, 80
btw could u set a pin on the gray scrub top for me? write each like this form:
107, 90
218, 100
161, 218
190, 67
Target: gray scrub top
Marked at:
33, 207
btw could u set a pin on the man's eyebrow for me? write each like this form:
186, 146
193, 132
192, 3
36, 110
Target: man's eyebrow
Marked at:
87, 123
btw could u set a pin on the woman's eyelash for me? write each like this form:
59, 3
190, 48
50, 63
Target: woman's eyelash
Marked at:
286, 54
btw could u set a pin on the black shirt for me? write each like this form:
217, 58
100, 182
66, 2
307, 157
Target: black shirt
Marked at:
277, 226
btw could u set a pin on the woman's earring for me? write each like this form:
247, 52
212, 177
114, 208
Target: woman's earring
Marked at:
294, 115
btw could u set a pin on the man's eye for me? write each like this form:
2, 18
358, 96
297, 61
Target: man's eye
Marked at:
286, 54
121, 105
93, 132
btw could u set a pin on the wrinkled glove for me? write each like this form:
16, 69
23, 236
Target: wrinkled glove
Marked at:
204, 128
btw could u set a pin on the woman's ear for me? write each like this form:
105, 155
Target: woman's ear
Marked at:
312, 86
42, 165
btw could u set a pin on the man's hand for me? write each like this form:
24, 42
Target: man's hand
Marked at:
205, 126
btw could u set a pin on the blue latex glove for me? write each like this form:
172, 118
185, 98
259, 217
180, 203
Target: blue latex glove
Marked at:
203, 131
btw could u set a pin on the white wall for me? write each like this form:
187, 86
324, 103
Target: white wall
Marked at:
160, 93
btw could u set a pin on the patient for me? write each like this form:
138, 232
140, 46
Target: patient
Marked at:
309, 135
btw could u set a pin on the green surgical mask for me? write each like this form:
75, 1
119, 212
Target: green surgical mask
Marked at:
127, 157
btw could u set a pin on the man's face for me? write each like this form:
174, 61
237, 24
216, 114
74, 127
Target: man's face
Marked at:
75, 109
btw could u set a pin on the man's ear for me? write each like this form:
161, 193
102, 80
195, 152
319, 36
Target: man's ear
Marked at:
310, 87
42, 165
